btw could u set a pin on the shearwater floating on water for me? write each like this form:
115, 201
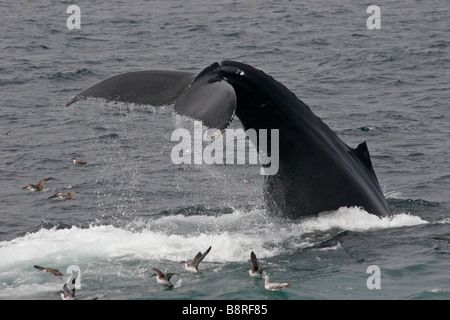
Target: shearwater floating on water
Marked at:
163, 279
67, 196
274, 286
75, 161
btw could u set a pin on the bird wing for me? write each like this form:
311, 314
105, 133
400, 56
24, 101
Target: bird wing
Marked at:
69, 286
39, 267
199, 257
55, 272
194, 261
254, 261
170, 274
160, 274
69, 291
41, 183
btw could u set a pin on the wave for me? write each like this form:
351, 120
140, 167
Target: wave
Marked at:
178, 237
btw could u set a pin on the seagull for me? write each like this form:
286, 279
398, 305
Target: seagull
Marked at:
193, 266
163, 279
67, 196
8, 133
273, 286
37, 187
75, 161
68, 292
255, 271
53, 271
442, 238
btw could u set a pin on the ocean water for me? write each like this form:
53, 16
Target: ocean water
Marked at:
135, 210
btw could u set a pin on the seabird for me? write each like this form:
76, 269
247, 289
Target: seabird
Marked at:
255, 270
66, 296
247, 180
67, 196
68, 292
274, 286
75, 161
53, 271
8, 133
37, 187
163, 279
442, 238
193, 266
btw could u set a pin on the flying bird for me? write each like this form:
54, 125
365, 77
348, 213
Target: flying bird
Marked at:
53, 271
255, 270
37, 187
193, 266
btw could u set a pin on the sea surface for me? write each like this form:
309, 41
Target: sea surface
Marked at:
136, 210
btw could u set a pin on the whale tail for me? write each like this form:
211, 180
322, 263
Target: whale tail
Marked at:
317, 171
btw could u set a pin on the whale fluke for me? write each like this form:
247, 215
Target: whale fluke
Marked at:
140, 87
317, 170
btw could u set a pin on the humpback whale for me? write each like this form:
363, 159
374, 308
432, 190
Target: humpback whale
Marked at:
317, 170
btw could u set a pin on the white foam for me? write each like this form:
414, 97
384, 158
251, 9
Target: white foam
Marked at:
174, 238
66, 246
356, 219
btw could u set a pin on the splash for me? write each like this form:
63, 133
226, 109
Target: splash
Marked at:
356, 219
178, 237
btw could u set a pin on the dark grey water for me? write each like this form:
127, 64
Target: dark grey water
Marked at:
136, 210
